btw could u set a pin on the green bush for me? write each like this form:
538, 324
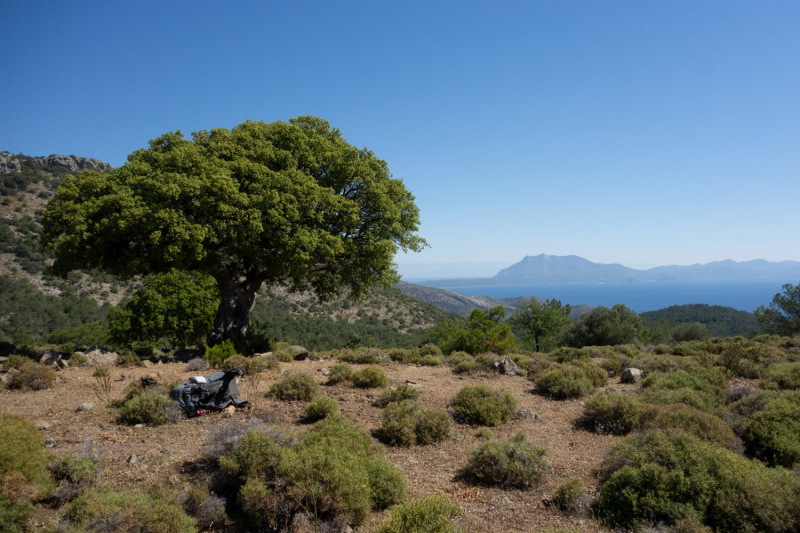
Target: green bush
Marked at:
23, 466
401, 393
433, 514
106, 511
703, 425
537, 365
284, 356
564, 382
698, 387
430, 349
294, 386
128, 358
15, 514
782, 376
338, 373
431, 360
331, 471
612, 413
370, 377
658, 477
512, 464
405, 423
482, 406
150, 407
462, 363
75, 475
691, 331
569, 496
218, 353
404, 355
321, 407
773, 433
363, 356
249, 365
597, 376
564, 355
32, 376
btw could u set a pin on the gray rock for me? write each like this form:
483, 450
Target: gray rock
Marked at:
414, 384
72, 163
50, 443
506, 366
325, 371
631, 375
132, 460
299, 353
62, 364
98, 355
9, 164
43, 425
49, 357
524, 414
146, 364
87, 406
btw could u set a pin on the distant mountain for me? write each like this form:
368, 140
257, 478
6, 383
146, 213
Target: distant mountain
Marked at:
451, 301
543, 269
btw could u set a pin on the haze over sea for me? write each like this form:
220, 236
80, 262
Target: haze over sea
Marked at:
741, 294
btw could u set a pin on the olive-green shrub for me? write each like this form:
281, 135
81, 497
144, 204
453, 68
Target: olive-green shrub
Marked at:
570, 495
338, 373
510, 464
151, 407
405, 423
781, 376
401, 393
363, 356
772, 434
294, 386
320, 407
703, 425
612, 413
564, 382
483, 406
433, 514
701, 388
32, 376
370, 377
666, 477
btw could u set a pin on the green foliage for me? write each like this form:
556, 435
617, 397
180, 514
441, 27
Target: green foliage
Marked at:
331, 471
564, 382
175, 305
704, 426
32, 376
320, 407
127, 358
603, 326
566, 354
483, 406
402, 393
691, 331
106, 511
613, 413
596, 375
217, 354
782, 316
78, 337
15, 514
150, 407
370, 377
719, 321
698, 387
782, 376
661, 477
338, 373
772, 434
405, 423
249, 365
261, 202
362, 356
569, 495
512, 464
430, 349
541, 319
294, 386
23, 461
433, 514
483, 332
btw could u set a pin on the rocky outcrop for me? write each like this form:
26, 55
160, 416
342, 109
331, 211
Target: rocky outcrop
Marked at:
72, 163
9, 164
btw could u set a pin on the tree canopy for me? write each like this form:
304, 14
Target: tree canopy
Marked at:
539, 319
279, 203
605, 327
782, 316
483, 331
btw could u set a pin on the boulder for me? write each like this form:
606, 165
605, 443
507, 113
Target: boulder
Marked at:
299, 353
524, 414
87, 406
62, 364
98, 355
631, 375
49, 357
506, 366
9, 164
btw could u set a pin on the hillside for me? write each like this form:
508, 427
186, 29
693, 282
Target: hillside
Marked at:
720, 321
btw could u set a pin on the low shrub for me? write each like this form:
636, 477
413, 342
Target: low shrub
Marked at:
431, 360
701, 388
703, 425
15, 514
782, 376
32, 376
283, 356
338, 373
151, 407
660, 477
294, 386
462, 363
405, 423
772, 434
565, 354
197, 364
106, 511
482, 406
401, 393
321, 407
433, 514
74, 475
249, 365
207, 509
614, 365
692, 331
596, 374
363, 356
23, 462
483, 433
512, 464
685, 349
370, 377
430, 349
15, 361
404, 355
564, 382
570, 496
128, 358
387, 486
537, 365
612, 413
217, 354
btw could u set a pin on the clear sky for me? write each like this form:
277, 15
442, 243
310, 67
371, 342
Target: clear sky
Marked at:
645, 132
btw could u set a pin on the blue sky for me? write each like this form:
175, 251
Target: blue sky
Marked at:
643, 132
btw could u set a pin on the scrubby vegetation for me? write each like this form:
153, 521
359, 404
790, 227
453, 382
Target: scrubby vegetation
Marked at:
433, 514
321, 407
405, 423
483, 406
513, 464
295, 386
370, 377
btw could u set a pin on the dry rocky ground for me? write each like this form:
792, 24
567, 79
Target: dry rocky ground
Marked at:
139, 457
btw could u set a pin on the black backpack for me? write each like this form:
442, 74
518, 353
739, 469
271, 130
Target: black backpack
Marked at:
214, 392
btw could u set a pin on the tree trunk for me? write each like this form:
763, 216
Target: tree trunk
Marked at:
233, 316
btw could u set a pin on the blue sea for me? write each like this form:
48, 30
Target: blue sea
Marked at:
745, 295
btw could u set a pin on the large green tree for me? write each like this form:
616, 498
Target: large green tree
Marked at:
605, 327
782, 316
279, 203
539, 319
